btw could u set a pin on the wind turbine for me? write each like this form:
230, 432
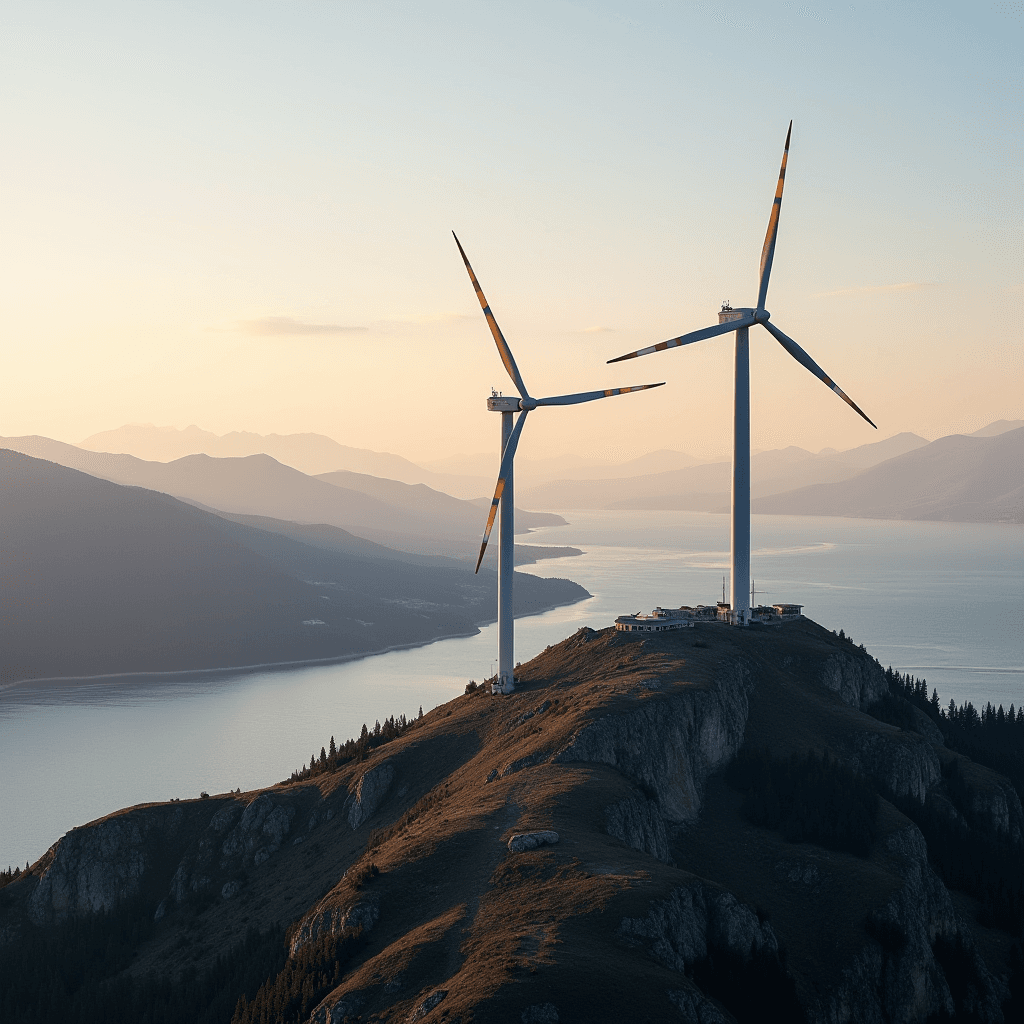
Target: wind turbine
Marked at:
503, 495
740, 321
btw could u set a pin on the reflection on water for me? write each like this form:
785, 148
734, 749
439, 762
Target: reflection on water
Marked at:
945, 601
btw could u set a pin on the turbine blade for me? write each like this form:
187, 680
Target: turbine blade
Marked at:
590, 396
805, 360
689, 339
499, 339
503, 471
768, 251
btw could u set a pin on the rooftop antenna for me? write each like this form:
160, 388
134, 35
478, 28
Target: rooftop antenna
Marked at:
740, 321
503, 495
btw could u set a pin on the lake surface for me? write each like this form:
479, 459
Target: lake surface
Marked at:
943, 601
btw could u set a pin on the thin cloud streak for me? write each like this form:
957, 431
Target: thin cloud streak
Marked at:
286, 326
875, 289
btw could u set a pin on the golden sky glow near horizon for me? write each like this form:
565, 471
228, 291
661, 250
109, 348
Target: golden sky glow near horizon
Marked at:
239, 215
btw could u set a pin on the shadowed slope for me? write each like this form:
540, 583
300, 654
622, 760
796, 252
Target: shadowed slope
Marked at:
99, 578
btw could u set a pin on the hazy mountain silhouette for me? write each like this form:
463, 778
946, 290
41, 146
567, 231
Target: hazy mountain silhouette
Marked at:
99, 578
414, 518
701, 488
998, 427
309, 453
955, 479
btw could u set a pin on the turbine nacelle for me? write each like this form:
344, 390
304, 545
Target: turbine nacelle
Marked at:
502, 403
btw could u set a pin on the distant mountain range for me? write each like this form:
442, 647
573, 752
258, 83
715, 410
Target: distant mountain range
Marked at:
100, 578
977, 478
386, 499
412, 518
706, 487
960, 479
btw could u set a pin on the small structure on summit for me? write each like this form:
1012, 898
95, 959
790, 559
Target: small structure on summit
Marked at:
685, 617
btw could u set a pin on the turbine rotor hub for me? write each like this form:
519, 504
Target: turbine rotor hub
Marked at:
762, 316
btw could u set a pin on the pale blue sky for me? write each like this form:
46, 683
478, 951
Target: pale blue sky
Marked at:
174, 173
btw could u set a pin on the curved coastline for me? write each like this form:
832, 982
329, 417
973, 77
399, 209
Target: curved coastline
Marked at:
23, 685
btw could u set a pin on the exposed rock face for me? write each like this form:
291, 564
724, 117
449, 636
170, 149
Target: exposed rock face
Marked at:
897, 977
331, 920
261, 827
638, 823
859, 681
902, 763
93, 868
428, 1004
696, 1008
670, 746
994, 804
680, 929
370, 791
338, 1012
531, 840
259, 834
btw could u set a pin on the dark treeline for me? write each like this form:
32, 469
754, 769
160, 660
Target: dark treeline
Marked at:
992, 737
291, 995
75, 973
812, 799
10, 875
357, 749
964, 850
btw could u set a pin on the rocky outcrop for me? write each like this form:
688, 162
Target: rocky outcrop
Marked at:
127, 855
992, 803
896, 976
858, 679
237, 837
696, 1008
637, 822
339, 1012
259, 833
680, 930
672, 742
531, 840
370, 791
901, 763
93, 868
330, 920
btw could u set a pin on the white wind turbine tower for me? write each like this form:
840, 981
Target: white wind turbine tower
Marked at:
740, 321
503, 493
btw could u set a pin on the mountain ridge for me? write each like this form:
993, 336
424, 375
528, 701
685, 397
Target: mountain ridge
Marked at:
581, 850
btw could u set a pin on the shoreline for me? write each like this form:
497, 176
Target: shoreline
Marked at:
182, 673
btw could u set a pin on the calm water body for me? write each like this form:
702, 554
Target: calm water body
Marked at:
944, 601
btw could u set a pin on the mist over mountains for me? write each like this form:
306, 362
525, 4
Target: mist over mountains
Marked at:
411, 518
664, 479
